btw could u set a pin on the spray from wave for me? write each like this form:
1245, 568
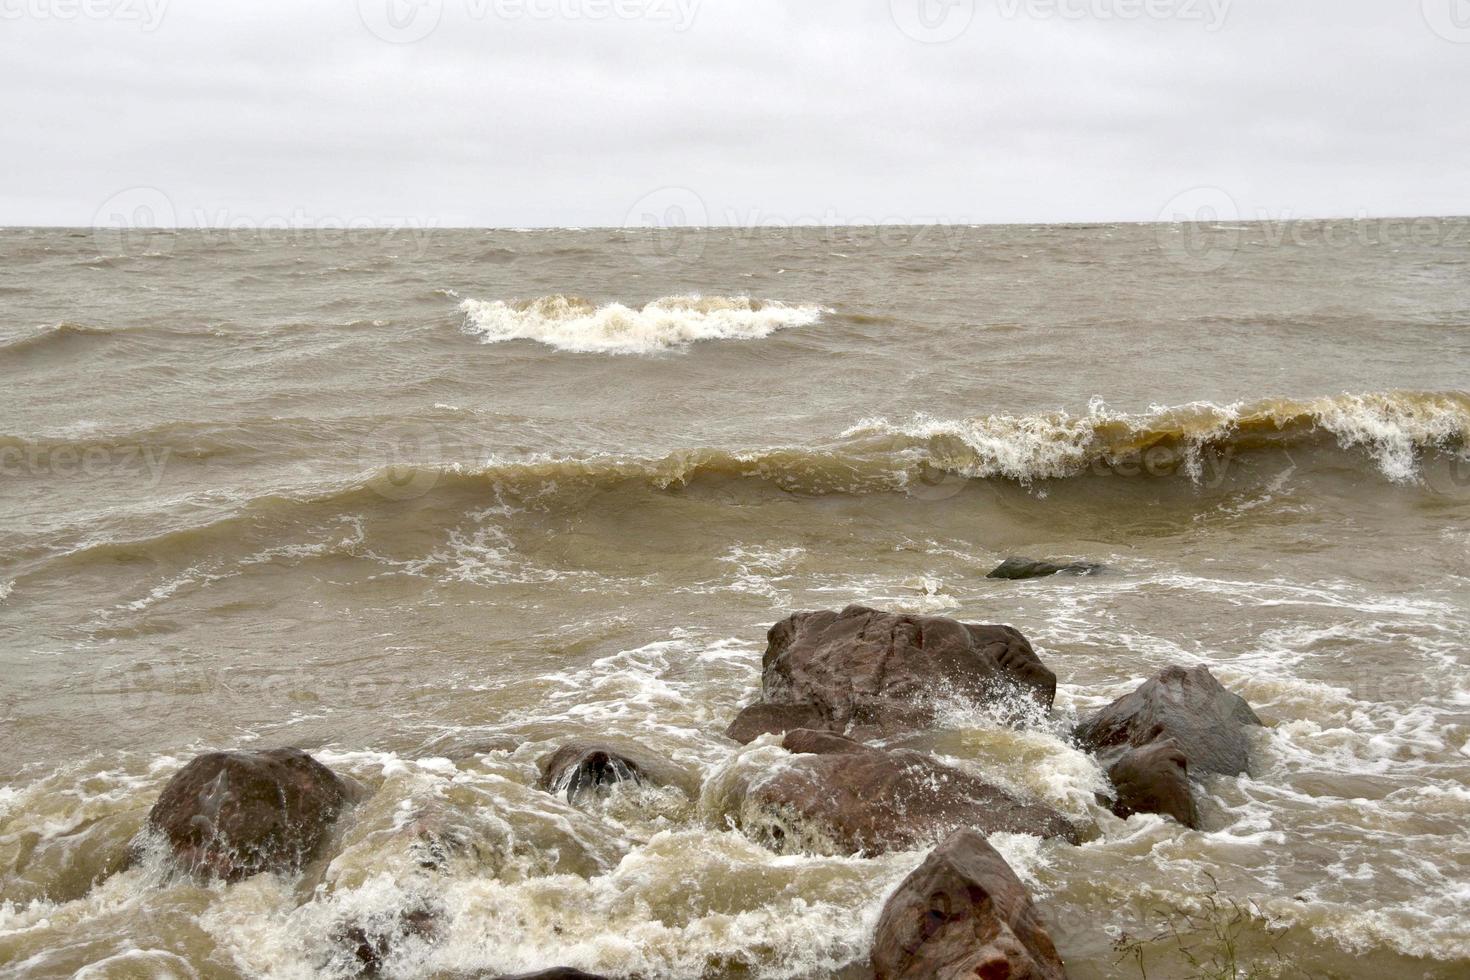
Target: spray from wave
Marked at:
573, 324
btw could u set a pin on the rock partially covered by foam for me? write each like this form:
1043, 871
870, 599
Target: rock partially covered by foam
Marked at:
1023, 568
560, 973
234, 814
864, 672
963, 915
1178, 723
583, 766
839, 795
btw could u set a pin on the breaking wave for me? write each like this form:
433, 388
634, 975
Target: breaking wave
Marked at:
573, 324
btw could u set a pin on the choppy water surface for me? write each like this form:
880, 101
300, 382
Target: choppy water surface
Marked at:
426, 505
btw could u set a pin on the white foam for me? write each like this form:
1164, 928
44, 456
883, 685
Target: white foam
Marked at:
572, 324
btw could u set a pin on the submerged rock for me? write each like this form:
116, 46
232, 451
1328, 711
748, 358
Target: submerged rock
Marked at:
371, 944
1023, 568
963, 915
560, 973
841, 795
868, 672
1178, 723
234, 814
584, 765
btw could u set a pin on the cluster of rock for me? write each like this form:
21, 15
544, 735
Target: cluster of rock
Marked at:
831, 681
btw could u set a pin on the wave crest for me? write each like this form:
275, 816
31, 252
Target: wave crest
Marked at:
571, 323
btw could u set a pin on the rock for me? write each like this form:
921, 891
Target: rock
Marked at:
1154, 779
234, 814
840, 795
1205, 721
1022, 568
370, 945
584, 765
560, 973
963, 915
872, 673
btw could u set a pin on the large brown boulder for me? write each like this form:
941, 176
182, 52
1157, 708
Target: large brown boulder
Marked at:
585, 765
963, 915
842, 796
1180, 722
234, 814
864, 672
1206, 722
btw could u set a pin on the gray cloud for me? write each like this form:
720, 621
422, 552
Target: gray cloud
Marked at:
553, 112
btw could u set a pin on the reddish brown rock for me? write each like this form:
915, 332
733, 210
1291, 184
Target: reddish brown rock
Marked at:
871, 673
963, 915
234, 814
843, 795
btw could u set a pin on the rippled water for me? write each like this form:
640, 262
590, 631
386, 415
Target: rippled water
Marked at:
428, 504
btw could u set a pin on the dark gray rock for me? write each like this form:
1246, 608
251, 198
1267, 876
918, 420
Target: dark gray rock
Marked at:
1154, 779
585, 765
1023, 568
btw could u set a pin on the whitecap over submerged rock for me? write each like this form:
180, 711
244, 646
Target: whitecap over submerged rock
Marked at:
839, 796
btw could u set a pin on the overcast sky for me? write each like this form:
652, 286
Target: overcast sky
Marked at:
604, 112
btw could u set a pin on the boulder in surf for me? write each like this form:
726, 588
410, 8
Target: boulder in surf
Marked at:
1179, 723
963, 915
841, 796
1024, 568
1206, 722
231, 815
869, 673
584, 766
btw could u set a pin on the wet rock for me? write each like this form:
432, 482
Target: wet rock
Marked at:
370, 944
860, 671
560, 973
1206, 722
234, 814
1154, 779
840, 795
584, 765
1023, 568
963, 915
